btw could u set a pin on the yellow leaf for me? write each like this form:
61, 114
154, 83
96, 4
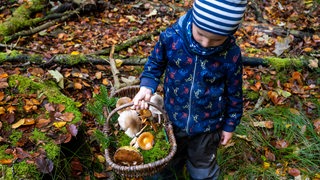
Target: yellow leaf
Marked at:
18, 124
75, 53
118, 62
59, 124
101, 158
266, 165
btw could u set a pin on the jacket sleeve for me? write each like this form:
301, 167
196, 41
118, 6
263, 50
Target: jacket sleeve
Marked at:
234, 105
156, 64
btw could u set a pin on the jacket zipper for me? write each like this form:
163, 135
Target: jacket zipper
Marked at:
190, 96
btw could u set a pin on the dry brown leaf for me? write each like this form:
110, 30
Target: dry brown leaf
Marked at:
294, 172
68, 117
266, 124
281, 144
42, 123
77, 85
1, 96
316, 124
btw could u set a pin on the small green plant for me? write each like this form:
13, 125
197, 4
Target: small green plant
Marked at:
99, 102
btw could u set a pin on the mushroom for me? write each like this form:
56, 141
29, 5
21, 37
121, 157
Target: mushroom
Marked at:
121, 101
158, 100
128, 156
130, 122
145, 141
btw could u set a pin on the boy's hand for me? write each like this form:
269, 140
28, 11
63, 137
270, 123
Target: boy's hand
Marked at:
140, 99
225, 137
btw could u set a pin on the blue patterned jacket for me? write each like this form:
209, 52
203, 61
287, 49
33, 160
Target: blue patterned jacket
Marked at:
202, 86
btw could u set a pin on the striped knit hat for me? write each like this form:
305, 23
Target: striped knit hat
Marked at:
218, 16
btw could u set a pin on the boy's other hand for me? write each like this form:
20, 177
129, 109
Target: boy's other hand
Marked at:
225, 137
140, 99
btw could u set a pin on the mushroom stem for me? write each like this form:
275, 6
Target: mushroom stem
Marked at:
159, 118
141, 130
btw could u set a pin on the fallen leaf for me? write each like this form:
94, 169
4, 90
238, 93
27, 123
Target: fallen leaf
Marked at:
316, 124
270, 156
294, 172
45, 165
42, 123
29, 121
101, 175
58, 77
18, 124
281, 144
6, 161
266, 165
59, 124
49, 107
2, 110
68, 117
72, 129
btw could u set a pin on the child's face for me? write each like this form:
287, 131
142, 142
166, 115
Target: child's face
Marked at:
205, 38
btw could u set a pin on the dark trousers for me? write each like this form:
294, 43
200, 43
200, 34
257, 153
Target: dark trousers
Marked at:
196, 153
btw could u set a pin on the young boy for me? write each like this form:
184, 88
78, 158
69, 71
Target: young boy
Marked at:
202, 68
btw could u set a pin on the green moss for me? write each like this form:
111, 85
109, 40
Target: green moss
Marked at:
160, 149
38, 136
251, 95
72, 59
21, 170
4, 155
49, 88
282, 63
52, 150
21, 17
15, 137
4, 56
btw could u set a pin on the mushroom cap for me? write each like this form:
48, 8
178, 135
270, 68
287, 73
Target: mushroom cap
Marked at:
158, 100
145, 141
121, 101
129, 118
128, 156
145, 113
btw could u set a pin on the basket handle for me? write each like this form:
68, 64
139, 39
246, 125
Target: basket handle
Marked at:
107, 128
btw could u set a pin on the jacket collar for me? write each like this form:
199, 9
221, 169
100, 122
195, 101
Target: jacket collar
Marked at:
184, 28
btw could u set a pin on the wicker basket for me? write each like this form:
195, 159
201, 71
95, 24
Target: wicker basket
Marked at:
143, 169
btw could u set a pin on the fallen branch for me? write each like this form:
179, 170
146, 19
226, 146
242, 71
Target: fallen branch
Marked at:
43, 26
71, 60
114, 70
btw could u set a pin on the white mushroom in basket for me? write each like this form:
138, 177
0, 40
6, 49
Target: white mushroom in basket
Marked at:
158, 100
130, 122
121, 101
128, 156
